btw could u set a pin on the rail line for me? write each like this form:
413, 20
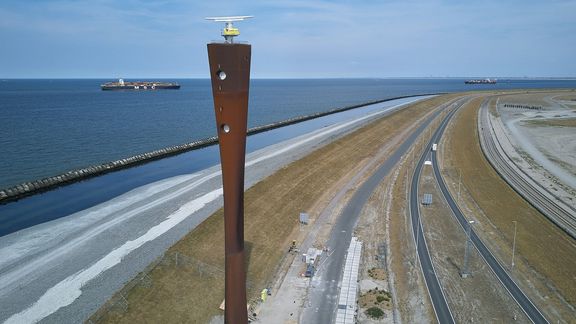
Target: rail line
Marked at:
561, 214
521, 299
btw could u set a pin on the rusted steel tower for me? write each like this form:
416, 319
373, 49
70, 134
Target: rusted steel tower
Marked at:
230, 74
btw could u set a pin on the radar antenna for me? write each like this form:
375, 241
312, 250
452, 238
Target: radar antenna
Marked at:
229, 31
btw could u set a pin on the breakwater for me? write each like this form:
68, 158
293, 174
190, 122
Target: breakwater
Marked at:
33, 187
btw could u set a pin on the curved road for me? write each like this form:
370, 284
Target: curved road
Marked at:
441, 308
523, 301
324, 287
63, 270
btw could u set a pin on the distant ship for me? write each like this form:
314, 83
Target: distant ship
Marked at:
139, 85
481, 81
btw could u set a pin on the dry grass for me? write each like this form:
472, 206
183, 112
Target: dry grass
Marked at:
570, 97
480, 297
546, 256
559, 122
527, 98
537, 97
377, 273
181, 294
412, 299
375, 297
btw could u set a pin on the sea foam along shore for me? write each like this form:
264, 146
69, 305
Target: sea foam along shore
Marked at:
45, 184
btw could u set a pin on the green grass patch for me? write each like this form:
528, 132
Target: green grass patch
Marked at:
375, 312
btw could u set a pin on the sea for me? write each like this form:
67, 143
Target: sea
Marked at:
48, 127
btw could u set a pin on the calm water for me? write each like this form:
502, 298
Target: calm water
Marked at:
51, 126
72, 198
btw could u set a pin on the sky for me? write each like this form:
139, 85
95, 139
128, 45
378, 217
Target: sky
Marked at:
290, 39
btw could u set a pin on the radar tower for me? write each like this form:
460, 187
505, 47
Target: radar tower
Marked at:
229, 31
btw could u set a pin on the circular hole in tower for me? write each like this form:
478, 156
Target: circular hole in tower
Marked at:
225, 128
221, 74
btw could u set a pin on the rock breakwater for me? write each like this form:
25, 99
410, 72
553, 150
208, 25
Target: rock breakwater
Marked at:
49, 183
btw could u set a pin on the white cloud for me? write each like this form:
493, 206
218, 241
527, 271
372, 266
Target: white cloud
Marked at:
319, 37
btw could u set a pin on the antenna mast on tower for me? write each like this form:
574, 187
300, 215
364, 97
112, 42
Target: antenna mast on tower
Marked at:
230, 74
229, 31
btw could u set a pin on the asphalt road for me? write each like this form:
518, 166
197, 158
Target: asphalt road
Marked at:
63, 270
441, 308
524, 302
324, 287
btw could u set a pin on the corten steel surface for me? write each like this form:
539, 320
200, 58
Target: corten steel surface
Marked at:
230, 74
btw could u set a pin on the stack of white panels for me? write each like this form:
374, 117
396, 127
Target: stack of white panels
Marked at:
348, 292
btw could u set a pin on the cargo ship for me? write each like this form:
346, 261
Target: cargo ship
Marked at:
481, 81
139, 85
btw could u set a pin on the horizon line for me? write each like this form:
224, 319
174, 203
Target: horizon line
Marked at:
306, 78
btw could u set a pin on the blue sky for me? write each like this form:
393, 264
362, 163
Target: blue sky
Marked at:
290, 39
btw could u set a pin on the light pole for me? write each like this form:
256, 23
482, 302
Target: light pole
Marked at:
465, 273
513, 246
459, 182
230, 75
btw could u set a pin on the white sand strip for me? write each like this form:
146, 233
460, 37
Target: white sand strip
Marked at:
66, 291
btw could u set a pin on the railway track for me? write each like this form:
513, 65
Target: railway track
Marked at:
561, 214
497, 268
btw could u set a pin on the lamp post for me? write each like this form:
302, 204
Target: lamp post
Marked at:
459, 183
513, 246
230, 76
465, 273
